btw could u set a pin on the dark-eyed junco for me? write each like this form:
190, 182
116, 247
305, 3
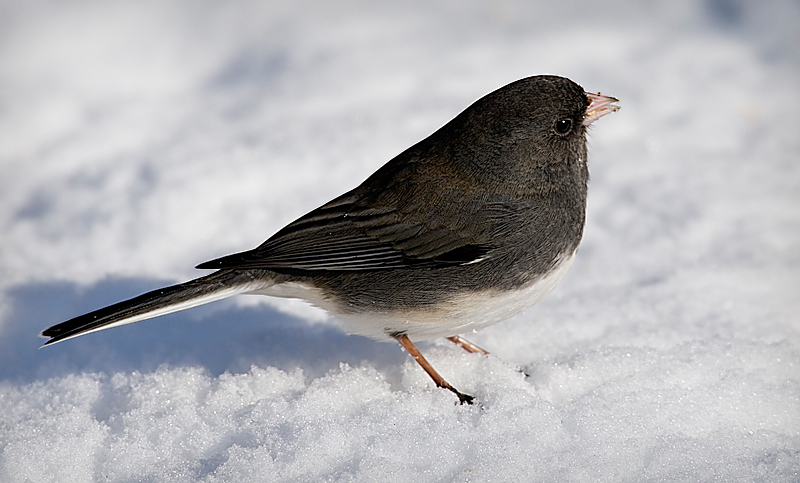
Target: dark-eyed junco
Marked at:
460, 231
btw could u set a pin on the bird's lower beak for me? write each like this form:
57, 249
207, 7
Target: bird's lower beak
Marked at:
599, 106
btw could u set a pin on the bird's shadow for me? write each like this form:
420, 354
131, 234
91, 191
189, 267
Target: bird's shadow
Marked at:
221, 337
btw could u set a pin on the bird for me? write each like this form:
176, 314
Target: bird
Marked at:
464, 229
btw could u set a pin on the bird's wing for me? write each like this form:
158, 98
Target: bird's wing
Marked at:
350, 234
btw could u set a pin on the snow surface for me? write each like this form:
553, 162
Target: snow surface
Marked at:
139, 139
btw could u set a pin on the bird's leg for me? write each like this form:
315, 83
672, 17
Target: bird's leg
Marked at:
472, 348
437, 378
467, 345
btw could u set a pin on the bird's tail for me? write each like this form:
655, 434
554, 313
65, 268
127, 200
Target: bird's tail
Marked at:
216, 286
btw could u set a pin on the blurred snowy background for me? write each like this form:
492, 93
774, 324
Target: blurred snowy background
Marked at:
139, 139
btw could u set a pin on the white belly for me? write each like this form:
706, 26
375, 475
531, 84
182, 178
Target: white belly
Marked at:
460, 314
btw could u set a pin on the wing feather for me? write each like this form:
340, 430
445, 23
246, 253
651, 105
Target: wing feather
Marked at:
358, 231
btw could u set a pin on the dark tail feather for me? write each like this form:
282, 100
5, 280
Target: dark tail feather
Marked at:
163, 301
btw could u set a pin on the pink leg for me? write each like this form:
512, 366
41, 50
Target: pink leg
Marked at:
467, 345
437, 378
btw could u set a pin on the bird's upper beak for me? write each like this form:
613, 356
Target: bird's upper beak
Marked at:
599, 106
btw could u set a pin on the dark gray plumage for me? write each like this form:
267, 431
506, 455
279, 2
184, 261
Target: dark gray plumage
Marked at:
461, 230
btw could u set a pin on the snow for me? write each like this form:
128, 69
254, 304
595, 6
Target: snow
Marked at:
140, 139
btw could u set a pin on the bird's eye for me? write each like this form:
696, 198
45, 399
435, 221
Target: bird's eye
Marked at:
563, 126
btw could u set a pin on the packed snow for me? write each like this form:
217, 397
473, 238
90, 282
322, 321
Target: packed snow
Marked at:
139, 139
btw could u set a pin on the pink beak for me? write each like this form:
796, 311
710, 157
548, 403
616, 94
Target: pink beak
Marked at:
599, 106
